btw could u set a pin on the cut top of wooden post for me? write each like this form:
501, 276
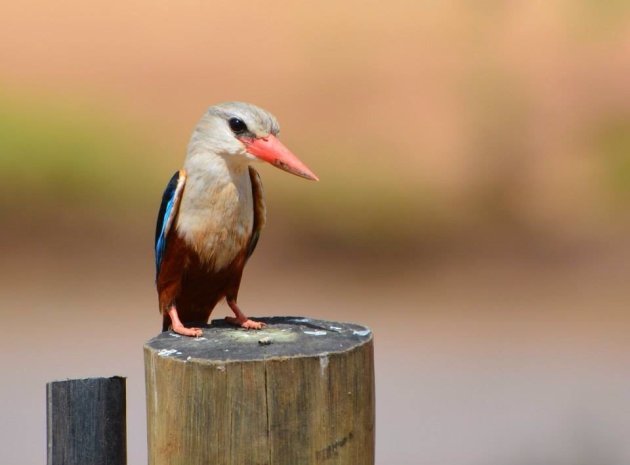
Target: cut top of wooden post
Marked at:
299, 391
282, 337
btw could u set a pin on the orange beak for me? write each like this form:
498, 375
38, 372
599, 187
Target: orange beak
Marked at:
271, 150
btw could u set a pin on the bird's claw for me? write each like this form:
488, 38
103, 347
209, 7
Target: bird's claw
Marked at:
247, 323
192, 332
250, 324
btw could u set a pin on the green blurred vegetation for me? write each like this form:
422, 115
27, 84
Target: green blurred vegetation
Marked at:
78, 157
74, 156
56, 153
612, 141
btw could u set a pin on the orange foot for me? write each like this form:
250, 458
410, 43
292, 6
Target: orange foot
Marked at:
193, 332
240, 319
179, 327
245, 323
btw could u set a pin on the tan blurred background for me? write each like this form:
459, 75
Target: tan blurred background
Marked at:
473, 208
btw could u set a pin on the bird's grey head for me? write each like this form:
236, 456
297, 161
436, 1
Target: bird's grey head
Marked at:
233, 134
223, 127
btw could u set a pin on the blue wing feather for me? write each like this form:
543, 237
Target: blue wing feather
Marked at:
168, 209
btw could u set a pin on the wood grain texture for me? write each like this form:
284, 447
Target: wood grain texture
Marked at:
87, 421
307, 397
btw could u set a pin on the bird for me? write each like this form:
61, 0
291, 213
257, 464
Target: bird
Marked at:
212, 213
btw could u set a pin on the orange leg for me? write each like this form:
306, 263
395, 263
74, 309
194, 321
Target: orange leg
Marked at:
240, 319
179, 327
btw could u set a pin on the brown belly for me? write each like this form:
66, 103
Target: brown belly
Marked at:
193, 286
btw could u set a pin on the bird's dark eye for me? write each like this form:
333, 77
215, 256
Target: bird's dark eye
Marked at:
237, 126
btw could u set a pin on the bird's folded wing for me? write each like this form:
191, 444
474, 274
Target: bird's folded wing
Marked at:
166, 215
260, 212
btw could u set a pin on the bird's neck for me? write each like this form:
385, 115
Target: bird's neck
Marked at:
213, 167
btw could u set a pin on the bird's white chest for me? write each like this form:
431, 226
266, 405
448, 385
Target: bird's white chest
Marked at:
216, 216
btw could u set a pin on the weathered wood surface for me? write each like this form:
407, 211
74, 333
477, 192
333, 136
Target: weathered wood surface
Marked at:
300, 391
87, 421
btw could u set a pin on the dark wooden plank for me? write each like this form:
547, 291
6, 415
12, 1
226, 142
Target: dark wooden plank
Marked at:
87, 421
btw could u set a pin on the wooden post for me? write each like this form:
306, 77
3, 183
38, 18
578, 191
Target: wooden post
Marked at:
87, 421
299, 391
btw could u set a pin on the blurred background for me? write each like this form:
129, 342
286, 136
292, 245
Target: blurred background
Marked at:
473, 208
